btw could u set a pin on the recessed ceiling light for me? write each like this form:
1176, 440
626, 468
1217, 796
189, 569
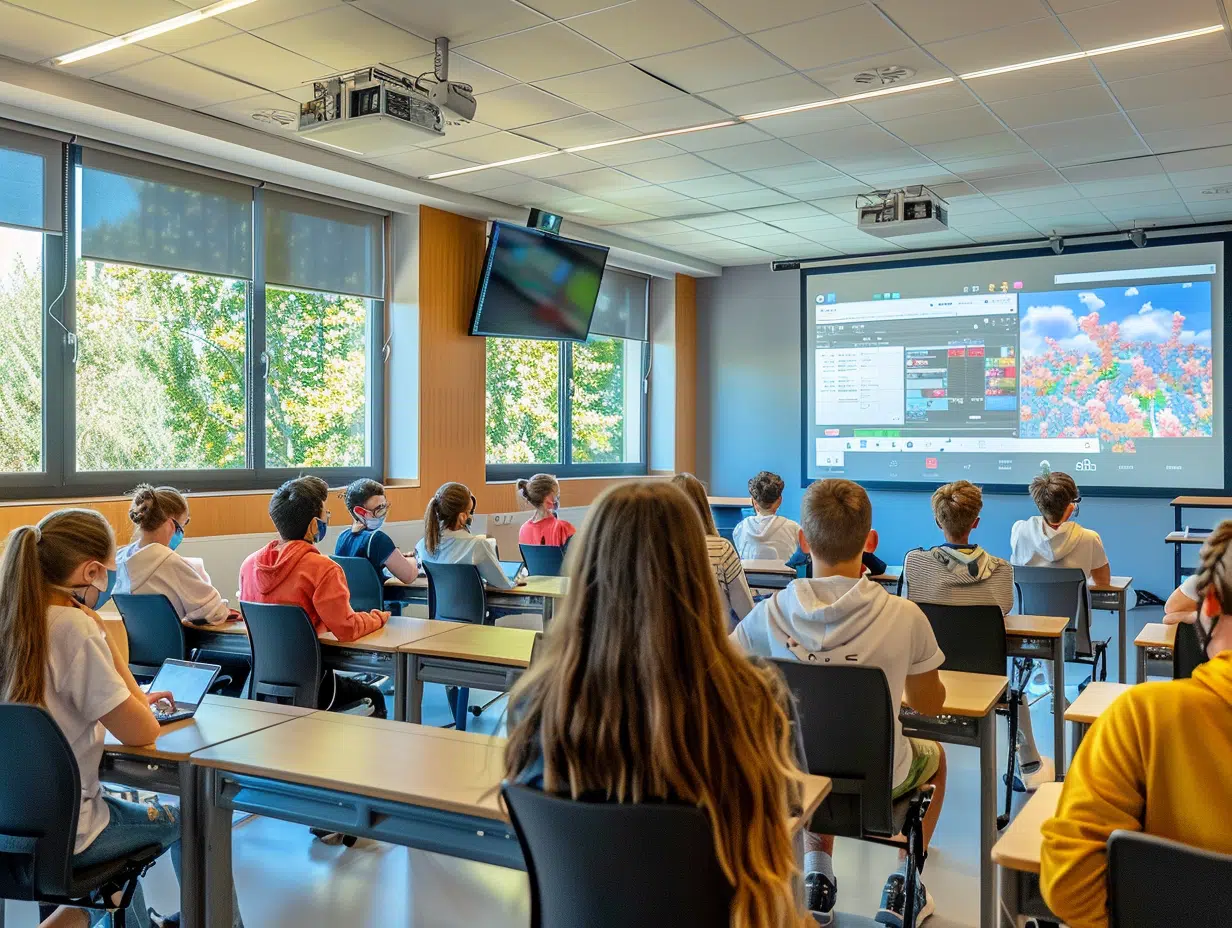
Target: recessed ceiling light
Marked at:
148, 32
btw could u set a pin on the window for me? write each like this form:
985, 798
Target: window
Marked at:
575, 407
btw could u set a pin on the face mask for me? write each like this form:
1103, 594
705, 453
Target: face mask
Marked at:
99, 590
176, 537
322, 528
371, 522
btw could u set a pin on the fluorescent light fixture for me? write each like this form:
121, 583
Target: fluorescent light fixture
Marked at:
148, 32
652, 135
495, 164
1094, 53
309, 138
854, 98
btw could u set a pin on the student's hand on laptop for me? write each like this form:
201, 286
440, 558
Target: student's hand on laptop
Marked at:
521, 581
235, 616
152, 698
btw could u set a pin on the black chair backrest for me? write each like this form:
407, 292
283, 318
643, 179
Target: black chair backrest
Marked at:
286, 655
1186, 652
971, 637
39, 805
1153, 881
847, 725
154, 631
1057, 591
365, 584
542, 560
456, 593
615, 865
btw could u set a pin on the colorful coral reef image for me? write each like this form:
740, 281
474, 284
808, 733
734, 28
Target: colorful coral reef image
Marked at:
1119, 363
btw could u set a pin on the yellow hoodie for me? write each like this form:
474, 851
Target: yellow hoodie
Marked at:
1157, 760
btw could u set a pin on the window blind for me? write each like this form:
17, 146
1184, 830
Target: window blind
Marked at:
314, 245
620, 310
31, 181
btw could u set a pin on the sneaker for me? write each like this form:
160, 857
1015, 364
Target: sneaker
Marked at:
1045, 772
820, 894
163, 921
894, 902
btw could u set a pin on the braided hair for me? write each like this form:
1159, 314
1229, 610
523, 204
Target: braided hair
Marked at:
1214, 574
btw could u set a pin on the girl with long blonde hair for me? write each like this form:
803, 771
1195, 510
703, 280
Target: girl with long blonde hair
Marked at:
639, 696
724, 561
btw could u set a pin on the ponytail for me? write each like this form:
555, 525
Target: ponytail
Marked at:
432, 526
538, 488
448, 502
1214, 574
23, 620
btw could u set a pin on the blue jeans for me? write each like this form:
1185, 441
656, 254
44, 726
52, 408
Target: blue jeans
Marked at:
133, 826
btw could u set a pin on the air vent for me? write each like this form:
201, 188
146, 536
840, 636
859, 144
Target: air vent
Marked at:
1221, 190
275, 117
883, 76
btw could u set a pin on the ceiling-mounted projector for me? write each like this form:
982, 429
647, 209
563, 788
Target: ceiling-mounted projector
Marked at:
906, 211
372, 111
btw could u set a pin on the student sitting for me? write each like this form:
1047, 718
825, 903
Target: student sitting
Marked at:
1156, 760
294, 572
542, 491
366, 502
448, 539
728, 570
766, 536
842, 613
51, 578
696, 724
150, 564
1053, 539
1183, 603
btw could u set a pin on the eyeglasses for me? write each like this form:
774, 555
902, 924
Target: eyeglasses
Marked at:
378, 512
180, 526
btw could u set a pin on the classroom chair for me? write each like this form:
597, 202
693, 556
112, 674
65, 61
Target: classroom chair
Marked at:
155, 634
364, 583
1064, 591
973, 641
543, 560
847, 725
1187, 652
39, 806
1153, 881
456, 593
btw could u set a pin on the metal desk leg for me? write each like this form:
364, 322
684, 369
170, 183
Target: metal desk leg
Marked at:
216, 831
414, 691
192, 907
1141, 666
988, 819
1009, 897
400, 667
548, 607
1077, 731
1058, 704
1122, 644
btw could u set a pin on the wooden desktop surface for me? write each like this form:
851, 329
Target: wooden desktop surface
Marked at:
971, 694
1204, 502
551, 587
768, 567
1035, 626
399, 631
741, 501
1018, 848
488, 643
1195, 537
892, 573
1156, 635
218, 719
1092, 701
1114, 585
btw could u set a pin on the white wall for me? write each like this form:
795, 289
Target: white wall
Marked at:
402, 371
661, 404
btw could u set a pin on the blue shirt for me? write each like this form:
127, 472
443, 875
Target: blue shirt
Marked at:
376, 546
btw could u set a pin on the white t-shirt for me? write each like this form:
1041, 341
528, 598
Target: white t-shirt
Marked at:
82, 686
1189, 587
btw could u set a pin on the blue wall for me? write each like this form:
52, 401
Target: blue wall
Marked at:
749, 420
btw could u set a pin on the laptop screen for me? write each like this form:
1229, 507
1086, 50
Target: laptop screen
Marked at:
187, 682
511, 569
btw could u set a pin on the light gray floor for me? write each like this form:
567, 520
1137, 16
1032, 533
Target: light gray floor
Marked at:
286, 880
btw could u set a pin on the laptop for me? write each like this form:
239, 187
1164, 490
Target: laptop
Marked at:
187, 682
512, 569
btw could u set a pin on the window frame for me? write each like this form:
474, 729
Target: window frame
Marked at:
60, 478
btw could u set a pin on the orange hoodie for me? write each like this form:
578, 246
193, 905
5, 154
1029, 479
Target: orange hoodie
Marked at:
297, 574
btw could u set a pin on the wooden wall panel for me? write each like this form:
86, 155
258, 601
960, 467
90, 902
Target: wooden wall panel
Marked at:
686, 373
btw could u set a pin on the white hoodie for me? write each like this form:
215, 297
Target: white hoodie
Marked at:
155, 568
846, 621
1035, 543
766, 538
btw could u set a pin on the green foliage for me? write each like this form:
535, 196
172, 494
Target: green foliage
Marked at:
599, 401
21, 368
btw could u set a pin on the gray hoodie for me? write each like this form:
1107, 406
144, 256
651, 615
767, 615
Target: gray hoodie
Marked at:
965, 575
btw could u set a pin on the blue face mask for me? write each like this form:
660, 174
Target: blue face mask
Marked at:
372, 523
322, 528
99, 589
176, 537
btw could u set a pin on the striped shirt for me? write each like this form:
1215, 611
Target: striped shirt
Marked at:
730, 573
934, 577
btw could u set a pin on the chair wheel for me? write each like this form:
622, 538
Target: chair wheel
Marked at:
476, 710
1002, 821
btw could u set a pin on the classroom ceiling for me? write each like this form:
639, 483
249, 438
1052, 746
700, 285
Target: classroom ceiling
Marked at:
1138, 137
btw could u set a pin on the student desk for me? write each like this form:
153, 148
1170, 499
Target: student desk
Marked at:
1017, 854
483, 657
768, 574
1112, 598
164, 767
418, 787
728, 512
889, 579
1040, 636
1194, 535
968, 718
537, 594
1089, 705
1154, 638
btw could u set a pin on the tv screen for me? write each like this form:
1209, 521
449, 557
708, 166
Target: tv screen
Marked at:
536, 285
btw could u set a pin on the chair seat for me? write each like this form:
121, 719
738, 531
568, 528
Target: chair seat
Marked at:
86, 880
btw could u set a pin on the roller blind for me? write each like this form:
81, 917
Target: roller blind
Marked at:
139, 212
314, 245
620, 310
31, 181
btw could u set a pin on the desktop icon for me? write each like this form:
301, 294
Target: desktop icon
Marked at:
863, 443
898, 296
831, 298
1005, 286
876, 296
1018, 285
966, 289
992, 288
930, 463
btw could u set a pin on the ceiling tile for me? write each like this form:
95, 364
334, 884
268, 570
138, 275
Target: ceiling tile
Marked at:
674, 168
421, 162
1210, 177
837, 186
178, 82
814, 223
929, 176
540, 53
1012, 198
523, 193
598, 181
1061, 76
1179, 140
266, 104
773, 93
1178, 86
724, 137
809, 170
1110, 133
707, 187
498, 146
1160, 59
1037, 211
611, 87
92, 67
920, 103
786, 211
521, 105
466, 22
847, 34
1075, 103
583, 129
811, 121
948, 19
1020, 162
461, 68
268, 12
479, 181
768, 154
344, 37
1197, 160
719, 221
974, 121
112, 18
208, 30
1137, 199
458, 133
848, 143
248, 58
765, 14
29, 36
559, 9
1019, 182
1193, 114
840, 78
1129, 20
648, 197
556, 166
969, 149
1040, 38
652, 228
720, 64
641, 28
1114, 170
687, 237
748, 199
667, 114
632, 152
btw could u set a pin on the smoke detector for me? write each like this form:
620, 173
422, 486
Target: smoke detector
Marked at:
883, 76
275, 117
1220, 190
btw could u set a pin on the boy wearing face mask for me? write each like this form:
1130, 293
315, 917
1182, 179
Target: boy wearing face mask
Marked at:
292, 571
368, 506
150, 564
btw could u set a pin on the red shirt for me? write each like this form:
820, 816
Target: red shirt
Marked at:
549, 531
